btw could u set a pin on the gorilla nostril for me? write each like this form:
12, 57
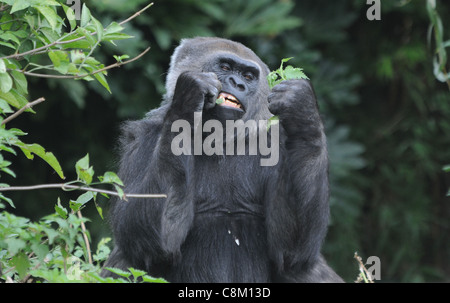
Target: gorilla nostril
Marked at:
236, 83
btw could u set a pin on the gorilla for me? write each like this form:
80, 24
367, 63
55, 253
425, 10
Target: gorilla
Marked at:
226, 218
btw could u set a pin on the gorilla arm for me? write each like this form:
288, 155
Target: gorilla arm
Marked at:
297, 210
193, 92
156, 228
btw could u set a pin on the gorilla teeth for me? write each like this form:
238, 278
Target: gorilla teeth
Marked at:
230, 100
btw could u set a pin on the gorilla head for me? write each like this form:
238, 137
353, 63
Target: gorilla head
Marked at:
242, 74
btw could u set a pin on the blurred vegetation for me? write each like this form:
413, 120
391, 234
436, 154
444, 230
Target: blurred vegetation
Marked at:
387, 115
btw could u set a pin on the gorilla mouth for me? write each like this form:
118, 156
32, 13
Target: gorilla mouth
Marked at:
229, 101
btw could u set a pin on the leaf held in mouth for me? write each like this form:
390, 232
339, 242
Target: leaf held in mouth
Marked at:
220, 100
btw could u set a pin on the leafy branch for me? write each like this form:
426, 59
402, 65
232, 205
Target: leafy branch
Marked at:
117, 64
63, 41
20, 111
66, 186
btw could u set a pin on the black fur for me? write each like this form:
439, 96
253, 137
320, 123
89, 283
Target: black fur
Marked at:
226, 218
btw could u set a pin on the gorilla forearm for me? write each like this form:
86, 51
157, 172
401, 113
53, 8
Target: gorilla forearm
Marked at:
303, 185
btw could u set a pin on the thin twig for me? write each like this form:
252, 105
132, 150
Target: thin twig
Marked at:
20, 111
364, 272
64, 186
86, 240
58, 42
136, 14
117, 64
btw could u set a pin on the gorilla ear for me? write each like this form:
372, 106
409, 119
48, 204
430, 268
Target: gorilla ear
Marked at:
130, 131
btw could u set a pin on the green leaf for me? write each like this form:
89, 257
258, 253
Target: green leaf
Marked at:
20, 82
2, 66
111, 177
77, 56
99, 210
38, 150
20, 5
50, 34
136, 273
121, 58
15, 245
21, 264
149, 279
102, 79
120, 192
85, 172
40, 250
220, 100
50, 2
116, 36
9, 36
70, 14
99, 29
119, 272
7, 45
272, 121
21, 100
83, 32
57, 57
6, 82
5, 22
82, 199
284, 60
60, 210
114, 27
85, 16
294, 73
103, 250
288, 73
80, 44
49, 14
9, 97
10, 202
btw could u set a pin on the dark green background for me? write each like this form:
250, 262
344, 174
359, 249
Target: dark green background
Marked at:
387, 118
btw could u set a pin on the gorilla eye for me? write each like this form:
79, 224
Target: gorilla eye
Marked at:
225, 66
249, 76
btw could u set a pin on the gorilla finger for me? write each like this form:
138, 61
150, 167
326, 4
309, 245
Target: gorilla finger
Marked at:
276, 108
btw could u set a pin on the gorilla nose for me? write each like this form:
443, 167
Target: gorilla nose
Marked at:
236, 83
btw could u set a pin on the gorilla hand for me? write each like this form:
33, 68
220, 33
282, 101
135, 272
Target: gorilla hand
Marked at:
195, 91
295, 103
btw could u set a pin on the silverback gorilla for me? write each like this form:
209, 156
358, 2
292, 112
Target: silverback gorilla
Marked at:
226, 218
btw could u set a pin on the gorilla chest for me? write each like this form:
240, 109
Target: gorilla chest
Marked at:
229, 187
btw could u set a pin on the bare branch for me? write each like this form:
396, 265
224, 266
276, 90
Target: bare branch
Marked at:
136, 14
20, 111
64, 186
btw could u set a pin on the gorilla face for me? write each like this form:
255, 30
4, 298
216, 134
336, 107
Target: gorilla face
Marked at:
239, 80
242, 75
